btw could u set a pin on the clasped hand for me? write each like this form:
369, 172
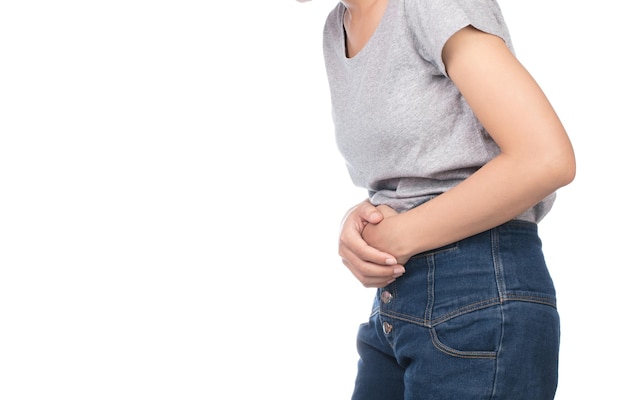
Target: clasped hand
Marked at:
365, 245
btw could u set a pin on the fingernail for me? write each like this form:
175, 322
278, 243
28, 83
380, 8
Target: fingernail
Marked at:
398, 271
391, 261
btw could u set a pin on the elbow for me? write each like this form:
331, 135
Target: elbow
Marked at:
560, 169
569, 172
567, 166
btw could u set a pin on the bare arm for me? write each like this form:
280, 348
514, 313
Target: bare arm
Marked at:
536, 155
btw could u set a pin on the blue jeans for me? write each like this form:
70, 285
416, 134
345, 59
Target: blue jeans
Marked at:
476, 319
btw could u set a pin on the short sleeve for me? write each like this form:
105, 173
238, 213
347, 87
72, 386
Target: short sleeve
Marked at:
433, 22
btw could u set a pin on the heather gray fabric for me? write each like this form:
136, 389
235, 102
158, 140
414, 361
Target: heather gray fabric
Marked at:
404, 130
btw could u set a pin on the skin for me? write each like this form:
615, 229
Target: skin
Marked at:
536, 157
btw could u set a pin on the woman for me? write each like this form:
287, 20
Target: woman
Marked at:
461, 154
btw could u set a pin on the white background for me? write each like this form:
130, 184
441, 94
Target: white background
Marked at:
170, 195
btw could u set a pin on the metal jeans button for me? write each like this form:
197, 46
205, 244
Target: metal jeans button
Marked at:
386, 297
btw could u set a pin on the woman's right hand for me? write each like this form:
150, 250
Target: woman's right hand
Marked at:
372, 267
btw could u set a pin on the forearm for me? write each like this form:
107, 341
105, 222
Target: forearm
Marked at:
503, 189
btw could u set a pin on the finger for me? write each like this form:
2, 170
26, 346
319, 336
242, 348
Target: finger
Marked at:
369, 270
364, 212
373, 275
350, 242
386, 211
368, 212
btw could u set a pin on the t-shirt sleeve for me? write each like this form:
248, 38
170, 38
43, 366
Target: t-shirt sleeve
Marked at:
433, 22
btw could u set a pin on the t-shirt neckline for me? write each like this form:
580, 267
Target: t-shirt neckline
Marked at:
370, 42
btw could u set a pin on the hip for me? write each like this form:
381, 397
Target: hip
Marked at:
503, 264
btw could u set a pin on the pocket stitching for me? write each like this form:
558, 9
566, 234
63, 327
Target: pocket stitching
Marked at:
458, 353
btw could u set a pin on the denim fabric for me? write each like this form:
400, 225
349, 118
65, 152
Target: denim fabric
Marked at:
473, 320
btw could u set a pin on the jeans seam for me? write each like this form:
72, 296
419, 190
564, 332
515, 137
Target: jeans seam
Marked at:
497, 263
497, 366
457, 353
431, 323
428, 313
465, 310
546, 300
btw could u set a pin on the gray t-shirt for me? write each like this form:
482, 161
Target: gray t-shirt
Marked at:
402, 126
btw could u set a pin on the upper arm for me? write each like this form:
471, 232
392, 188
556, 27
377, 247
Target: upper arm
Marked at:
504, 96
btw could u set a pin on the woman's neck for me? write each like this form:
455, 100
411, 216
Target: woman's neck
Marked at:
360, 21
363, 11
359, 8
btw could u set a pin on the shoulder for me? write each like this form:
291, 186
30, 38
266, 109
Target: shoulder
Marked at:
334, 20
433, 22
440, 14
333, 27
333, 36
